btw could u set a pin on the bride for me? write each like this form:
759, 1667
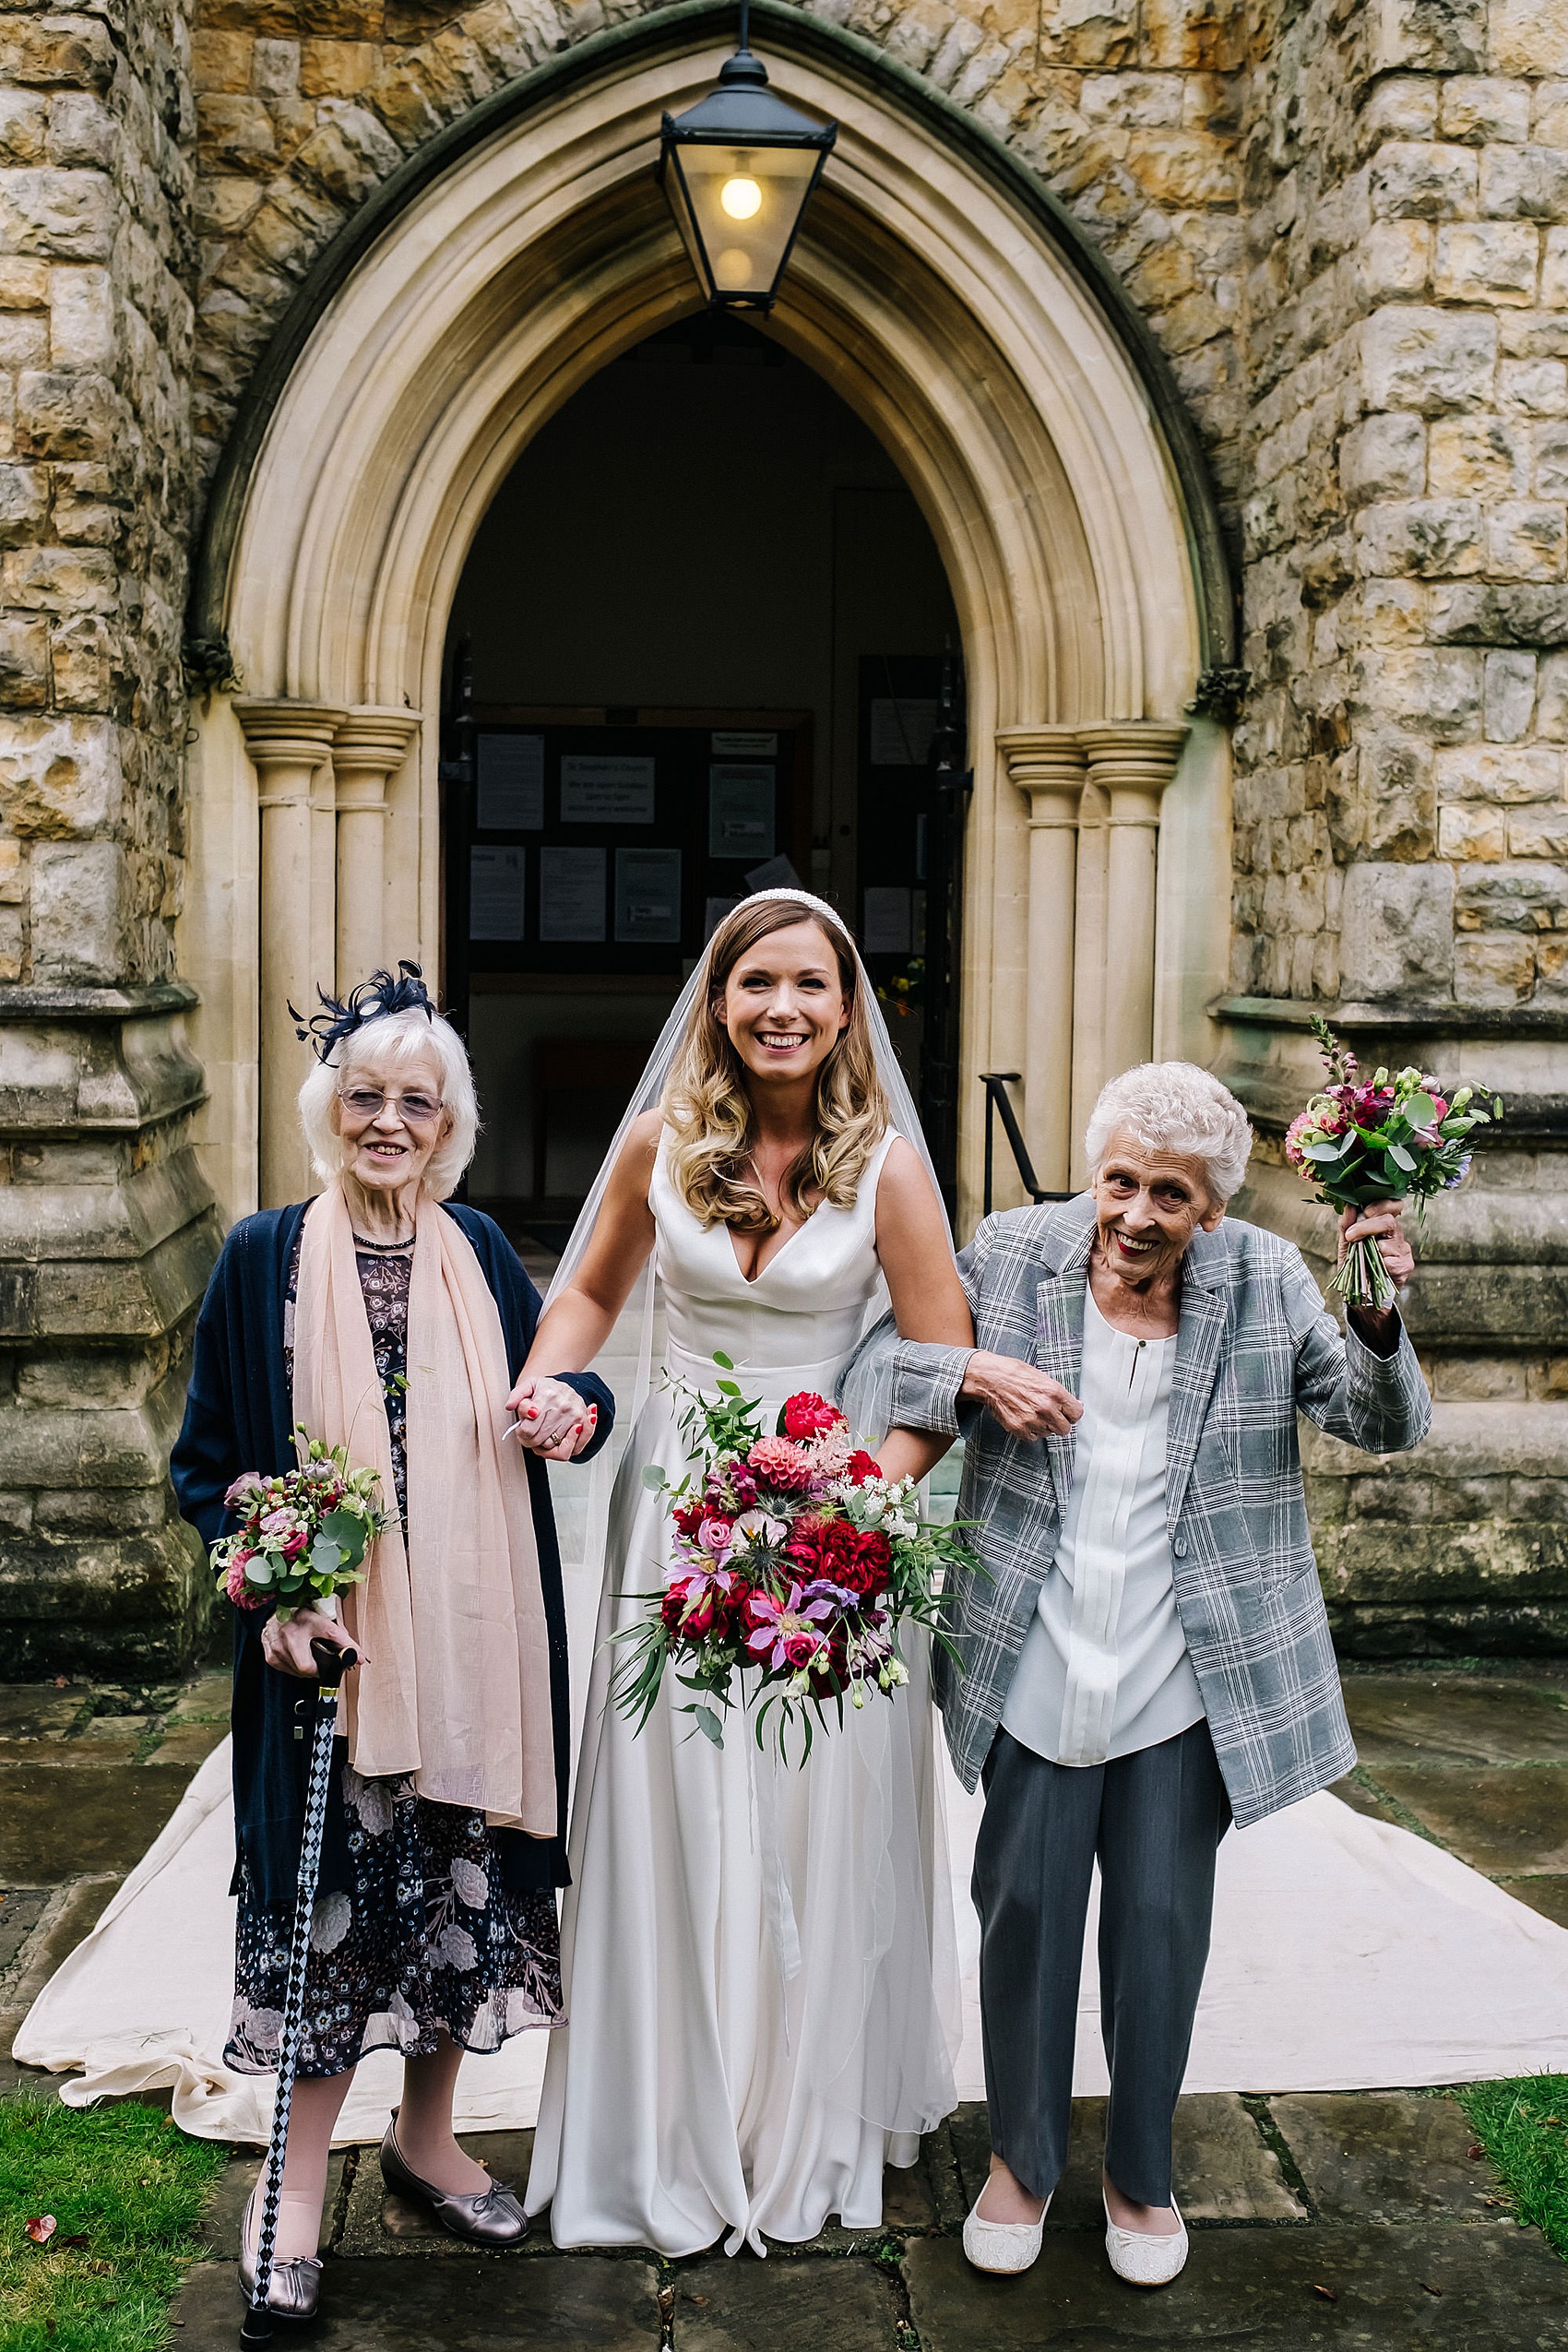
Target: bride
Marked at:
760, 1954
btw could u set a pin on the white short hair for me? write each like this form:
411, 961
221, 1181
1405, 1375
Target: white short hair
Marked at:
390, 1041
1175, 1107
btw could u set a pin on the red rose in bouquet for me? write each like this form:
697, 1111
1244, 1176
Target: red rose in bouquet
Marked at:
808, 1415
794, 1564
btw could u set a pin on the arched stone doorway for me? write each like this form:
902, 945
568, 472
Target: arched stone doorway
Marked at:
933, 290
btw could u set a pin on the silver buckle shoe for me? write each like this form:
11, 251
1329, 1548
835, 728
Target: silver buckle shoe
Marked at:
494, 2218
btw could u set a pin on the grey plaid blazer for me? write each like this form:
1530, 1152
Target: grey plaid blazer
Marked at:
1256, 1345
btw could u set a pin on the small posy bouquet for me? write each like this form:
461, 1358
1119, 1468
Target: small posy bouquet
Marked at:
1378, 1139
795, 1565
303, 1533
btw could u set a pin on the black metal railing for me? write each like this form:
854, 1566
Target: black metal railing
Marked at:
998, 1103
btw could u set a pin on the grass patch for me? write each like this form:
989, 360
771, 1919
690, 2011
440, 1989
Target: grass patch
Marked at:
1523, 2126
131, 2186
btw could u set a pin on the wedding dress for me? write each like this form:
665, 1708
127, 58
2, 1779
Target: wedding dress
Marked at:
762, 2006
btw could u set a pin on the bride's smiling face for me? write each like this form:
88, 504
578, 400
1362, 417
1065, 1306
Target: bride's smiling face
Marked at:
784, 1004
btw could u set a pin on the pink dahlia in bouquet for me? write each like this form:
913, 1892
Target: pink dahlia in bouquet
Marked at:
795, 1565
303, 1533
1381, 1138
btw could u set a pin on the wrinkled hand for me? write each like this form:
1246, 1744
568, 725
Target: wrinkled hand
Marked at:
553, 1420
287, 1647
1025, 1402
1381, 1221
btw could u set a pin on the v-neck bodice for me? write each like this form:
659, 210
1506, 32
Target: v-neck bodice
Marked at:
798, 1317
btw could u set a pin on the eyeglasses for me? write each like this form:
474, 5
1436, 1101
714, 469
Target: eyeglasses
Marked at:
363, 1104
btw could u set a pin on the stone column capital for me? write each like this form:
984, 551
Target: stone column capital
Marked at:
369, 745
1049, 766
1133, 760
284, 733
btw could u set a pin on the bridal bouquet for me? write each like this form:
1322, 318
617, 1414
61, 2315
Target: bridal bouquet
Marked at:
303, 1533
1377, 1139
795, 1565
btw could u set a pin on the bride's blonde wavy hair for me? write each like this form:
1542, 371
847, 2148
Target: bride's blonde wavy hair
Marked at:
708, 1104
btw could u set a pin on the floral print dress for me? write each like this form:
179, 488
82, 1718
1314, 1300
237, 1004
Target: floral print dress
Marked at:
427, 1939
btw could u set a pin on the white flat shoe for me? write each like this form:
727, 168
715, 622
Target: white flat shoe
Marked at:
1143, 2260
1004, 2247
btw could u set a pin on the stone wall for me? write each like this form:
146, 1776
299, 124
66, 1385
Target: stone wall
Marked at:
106, 1230
1348, 227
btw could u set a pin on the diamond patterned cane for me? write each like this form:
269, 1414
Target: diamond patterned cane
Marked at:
331, 1664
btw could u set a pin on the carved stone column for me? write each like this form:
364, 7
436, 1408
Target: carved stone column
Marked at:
1046, 764
370, 746
287, 742
1131, 763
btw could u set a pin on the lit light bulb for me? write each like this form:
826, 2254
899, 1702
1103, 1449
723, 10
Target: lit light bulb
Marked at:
742, 199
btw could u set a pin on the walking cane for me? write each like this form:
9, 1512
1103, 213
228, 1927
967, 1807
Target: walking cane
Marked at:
331, 1664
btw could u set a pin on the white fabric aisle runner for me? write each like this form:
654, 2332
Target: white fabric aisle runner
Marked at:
1347, 1955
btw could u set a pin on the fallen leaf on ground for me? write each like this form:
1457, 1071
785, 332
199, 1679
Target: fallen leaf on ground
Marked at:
1329, 2294
1426, 2289
1475, 2150
40, 2228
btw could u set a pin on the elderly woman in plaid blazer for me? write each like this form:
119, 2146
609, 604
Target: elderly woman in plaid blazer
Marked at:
1148, 1658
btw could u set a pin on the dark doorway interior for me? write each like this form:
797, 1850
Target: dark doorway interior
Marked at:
697, 645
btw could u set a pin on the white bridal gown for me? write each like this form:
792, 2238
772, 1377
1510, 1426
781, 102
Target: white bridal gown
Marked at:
761, 1990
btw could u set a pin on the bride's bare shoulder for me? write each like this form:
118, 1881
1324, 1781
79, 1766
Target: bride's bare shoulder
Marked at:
641, 1149
903, 1181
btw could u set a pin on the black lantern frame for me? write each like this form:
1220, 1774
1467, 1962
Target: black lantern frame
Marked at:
742, 145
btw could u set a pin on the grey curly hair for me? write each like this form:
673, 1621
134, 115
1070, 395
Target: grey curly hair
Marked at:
1175, 1107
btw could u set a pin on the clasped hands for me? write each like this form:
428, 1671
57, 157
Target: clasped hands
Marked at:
553, 1420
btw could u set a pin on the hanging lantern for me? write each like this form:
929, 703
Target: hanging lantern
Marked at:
738, 169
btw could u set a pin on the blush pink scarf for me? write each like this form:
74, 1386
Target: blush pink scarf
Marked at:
456, 1686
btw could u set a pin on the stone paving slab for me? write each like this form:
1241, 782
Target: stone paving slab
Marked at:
1389, 2155
491, 2301
34, 1711
1432, 2285
1547, 1894
806, 2305
20, 1909
97, 1814
1398, 1718
1503, 1823
1224, 2169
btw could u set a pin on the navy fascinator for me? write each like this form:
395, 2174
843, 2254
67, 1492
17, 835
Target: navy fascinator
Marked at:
372, 1001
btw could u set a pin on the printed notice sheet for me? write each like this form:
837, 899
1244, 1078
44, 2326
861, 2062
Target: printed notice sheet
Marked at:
511, 783
648, 897
740, 812
571, 895
604, 788
745, 742
901, 729
495, 893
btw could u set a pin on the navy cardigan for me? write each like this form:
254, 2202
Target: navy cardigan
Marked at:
238, 1416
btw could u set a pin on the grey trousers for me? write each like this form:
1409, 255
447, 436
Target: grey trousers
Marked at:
1155, 1820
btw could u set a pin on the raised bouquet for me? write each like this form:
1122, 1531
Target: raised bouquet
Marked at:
795, 1567
303, 1534
1378, 1139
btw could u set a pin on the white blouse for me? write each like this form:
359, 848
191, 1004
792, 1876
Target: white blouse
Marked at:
1104, 1668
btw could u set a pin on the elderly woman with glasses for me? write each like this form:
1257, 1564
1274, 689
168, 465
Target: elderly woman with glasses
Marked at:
381, 1316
